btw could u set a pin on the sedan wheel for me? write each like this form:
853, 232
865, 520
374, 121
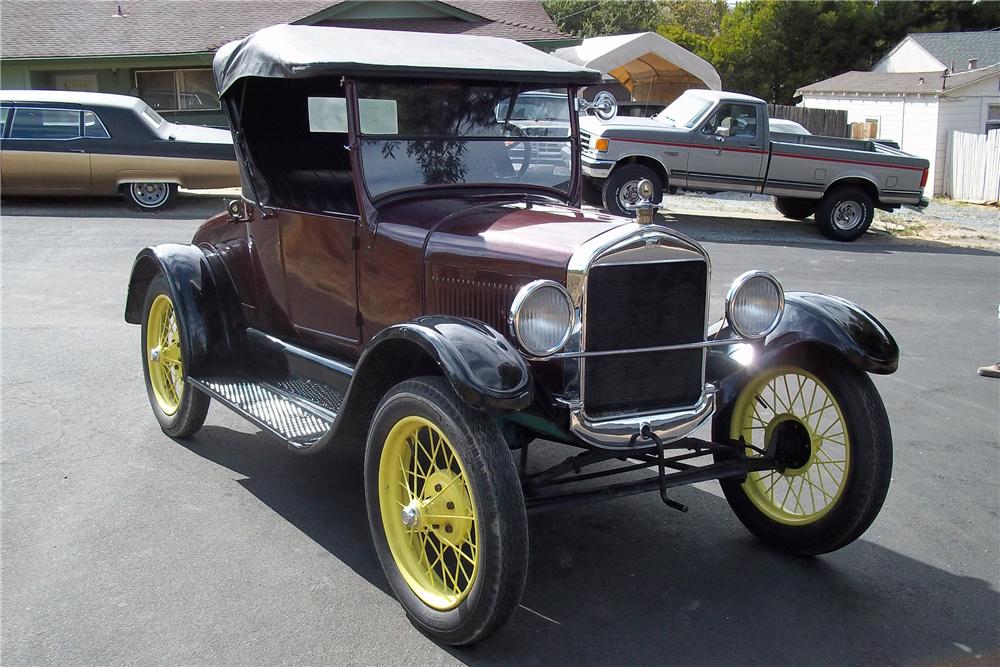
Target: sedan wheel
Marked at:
149, 196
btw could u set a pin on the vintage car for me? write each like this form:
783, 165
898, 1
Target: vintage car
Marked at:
70, 143
394, 277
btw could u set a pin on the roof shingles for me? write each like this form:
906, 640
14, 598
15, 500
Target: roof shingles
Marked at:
87, 28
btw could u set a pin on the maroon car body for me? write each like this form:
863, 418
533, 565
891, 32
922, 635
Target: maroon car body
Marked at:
402, 246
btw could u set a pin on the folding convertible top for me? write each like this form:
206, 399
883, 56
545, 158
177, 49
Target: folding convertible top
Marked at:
294, 51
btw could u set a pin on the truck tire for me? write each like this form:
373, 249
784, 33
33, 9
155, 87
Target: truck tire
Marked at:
845, 214
620, 188
794, 208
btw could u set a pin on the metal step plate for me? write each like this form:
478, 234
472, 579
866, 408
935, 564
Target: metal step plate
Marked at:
281, 411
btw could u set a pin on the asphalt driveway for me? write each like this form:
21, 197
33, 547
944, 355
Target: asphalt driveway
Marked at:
120, 545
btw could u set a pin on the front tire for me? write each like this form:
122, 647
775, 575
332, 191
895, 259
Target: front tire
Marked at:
845, 213
827, 426
620, 188
179, 408
149, 196
446, 511
794, 208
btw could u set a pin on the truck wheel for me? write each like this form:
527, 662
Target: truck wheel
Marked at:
179, 408
795, 208
845, 213
621, 188
149, 196
446, 511
833, 443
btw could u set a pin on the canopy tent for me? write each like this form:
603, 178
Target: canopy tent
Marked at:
651, 67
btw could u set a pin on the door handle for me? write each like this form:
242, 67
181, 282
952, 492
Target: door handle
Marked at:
77, 150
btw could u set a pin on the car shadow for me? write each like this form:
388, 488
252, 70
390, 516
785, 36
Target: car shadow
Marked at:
186, 206
805, 234
632, 582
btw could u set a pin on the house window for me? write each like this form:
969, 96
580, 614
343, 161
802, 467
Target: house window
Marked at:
178, 89
993, 117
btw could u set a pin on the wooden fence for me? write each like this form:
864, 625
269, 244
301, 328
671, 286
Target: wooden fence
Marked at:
824, 122
972, 169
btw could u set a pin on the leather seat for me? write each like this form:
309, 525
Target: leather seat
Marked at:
315, 190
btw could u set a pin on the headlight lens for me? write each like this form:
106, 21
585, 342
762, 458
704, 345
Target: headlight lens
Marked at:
754, 304
541, 317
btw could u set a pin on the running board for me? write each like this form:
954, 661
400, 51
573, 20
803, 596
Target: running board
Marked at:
300, 411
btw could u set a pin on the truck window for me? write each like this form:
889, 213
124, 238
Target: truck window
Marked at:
733, 120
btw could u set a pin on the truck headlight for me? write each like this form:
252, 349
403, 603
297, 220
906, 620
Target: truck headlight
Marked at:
754, 304
541, 317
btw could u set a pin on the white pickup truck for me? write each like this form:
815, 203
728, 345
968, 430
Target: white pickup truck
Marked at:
715, 141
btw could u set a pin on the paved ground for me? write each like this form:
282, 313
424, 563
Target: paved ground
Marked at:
120, 545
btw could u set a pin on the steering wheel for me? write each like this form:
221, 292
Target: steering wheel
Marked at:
529, 152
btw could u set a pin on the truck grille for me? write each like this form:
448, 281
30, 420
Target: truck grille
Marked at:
644, 305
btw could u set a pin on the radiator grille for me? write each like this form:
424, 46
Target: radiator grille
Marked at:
644, 305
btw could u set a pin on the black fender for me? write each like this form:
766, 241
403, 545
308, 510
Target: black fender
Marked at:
482, 366
202, 294
820, 322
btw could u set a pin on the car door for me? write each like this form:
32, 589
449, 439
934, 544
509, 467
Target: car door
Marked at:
319, 252
44, 151
727, 150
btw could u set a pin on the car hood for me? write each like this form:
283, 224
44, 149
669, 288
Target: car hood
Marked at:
627, 124
199, 134
511, 237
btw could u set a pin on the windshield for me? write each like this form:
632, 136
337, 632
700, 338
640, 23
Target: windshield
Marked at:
685, 110
449, 133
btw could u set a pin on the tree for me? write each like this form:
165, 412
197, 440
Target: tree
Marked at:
769, 48
591, 18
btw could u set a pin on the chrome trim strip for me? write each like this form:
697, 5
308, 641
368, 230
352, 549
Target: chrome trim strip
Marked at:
636, 350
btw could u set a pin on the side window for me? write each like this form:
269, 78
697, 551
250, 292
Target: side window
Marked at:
4, 112
733, 120
45, 124
93, 128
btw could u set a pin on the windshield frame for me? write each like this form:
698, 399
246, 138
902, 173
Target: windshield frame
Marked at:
356, 137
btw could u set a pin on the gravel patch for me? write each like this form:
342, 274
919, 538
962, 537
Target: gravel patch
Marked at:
943, 220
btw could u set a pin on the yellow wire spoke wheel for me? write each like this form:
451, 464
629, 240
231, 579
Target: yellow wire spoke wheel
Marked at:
792, 408
163, 355
428, 513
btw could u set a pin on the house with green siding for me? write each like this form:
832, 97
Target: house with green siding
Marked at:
162, 51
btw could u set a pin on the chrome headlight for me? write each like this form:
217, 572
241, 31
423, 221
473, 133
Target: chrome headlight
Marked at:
541, 317
754, 304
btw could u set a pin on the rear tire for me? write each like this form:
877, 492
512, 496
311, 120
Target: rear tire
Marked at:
845, 214
179, 408
794, 208
619, 188
440, 480
149, 196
